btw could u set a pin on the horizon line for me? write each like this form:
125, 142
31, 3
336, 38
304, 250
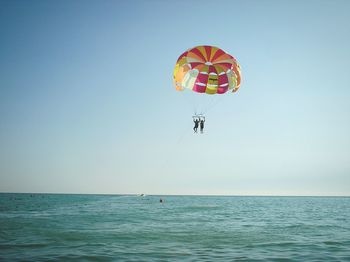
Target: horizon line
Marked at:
205, 195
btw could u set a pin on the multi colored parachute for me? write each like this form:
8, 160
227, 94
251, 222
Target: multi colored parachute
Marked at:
207, 69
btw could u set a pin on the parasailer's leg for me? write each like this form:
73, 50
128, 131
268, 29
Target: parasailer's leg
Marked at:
202, 124
196, 123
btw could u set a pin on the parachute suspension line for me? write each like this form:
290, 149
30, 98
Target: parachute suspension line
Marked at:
212, 100
194, 103
197, 103
213, 104
191, 101
202, 105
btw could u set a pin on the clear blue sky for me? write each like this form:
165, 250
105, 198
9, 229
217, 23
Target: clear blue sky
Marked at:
87, 103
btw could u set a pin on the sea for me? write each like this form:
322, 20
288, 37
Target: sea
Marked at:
64, 227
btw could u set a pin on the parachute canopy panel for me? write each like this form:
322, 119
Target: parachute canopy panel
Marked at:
207, 69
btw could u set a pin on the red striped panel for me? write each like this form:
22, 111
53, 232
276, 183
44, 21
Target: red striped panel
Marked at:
222, 80
217, 54
222, 90
222, 57
198, 88
195, 64
198, 53
226, 66
212, 69
208, 51
202, 78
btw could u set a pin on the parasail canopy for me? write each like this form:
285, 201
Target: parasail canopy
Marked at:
207, 69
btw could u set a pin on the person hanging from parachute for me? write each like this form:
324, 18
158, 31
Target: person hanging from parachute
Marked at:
206, 69
196, 123
202, 120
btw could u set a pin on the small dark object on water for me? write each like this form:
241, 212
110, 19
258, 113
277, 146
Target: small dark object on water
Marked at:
161, 200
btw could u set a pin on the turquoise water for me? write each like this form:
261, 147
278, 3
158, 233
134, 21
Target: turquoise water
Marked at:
44, 227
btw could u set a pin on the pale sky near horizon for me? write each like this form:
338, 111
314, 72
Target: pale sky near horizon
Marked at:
87, 103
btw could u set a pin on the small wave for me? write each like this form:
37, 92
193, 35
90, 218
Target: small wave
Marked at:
21, 245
